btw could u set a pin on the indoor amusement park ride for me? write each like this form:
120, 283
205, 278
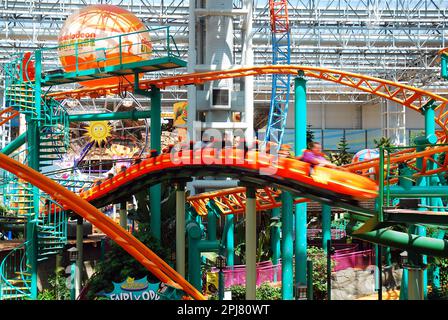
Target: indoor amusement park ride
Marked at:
112, 61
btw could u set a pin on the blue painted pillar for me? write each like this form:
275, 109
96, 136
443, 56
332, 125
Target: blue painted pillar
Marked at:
287, 246
300, 208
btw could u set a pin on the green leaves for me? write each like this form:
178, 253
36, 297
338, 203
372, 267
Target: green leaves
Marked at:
342, 156
118, 264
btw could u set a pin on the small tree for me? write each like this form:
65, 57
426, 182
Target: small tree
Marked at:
342, 156
319, 258
309, 135
383, 142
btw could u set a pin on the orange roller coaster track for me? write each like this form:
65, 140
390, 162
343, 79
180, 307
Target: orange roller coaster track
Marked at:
7, 115
233, 200
408, 96
128, 242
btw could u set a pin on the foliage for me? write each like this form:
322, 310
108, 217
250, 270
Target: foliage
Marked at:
238, 292
263, 238
309, 135
264, 292
58, 289
118, 264
442, 263
383, 142
342, 156
3, 209
319, 258
267, 292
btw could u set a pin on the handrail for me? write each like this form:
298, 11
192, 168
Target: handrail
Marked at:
20, 272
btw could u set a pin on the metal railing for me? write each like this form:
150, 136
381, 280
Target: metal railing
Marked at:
117, 50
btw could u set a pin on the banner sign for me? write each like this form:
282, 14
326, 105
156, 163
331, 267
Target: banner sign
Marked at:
141, 289
180, 114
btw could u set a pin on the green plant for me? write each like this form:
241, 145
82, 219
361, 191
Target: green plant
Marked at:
118, 264
58, 289
309, 135
238, 292
383, 142
342, 156
264, 292
267, 292
319, 258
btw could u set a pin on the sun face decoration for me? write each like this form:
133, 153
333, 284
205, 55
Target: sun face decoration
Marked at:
98, 131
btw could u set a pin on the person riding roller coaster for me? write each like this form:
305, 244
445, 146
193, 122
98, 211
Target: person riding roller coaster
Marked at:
314, 156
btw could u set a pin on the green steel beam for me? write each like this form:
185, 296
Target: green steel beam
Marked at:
404, 241
133, 115
418, 191
14, 145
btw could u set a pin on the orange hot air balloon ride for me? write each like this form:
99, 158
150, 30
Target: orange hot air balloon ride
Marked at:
97, 22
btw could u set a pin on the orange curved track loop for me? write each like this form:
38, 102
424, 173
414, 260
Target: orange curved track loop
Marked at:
334, 185
408, 96
7, 115
233, 200
128, 242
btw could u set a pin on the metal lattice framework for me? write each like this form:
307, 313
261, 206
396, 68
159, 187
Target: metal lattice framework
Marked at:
396, 40
281, 83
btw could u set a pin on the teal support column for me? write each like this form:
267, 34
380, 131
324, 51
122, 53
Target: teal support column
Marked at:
287, 246
435, 274
31, 225
443, 66
275, 240
155, 192
180, 229
404, 284
300, 112
230, 240
326, 225
212, 223
251, 244
194, 255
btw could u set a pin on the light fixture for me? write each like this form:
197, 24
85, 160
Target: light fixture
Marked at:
73, 254
220, 262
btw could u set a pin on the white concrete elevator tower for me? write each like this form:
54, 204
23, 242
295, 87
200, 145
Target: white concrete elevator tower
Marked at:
220, 38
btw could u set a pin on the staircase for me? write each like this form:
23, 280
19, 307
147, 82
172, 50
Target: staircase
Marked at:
51, 223
15, 281
51, 230
54, 135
